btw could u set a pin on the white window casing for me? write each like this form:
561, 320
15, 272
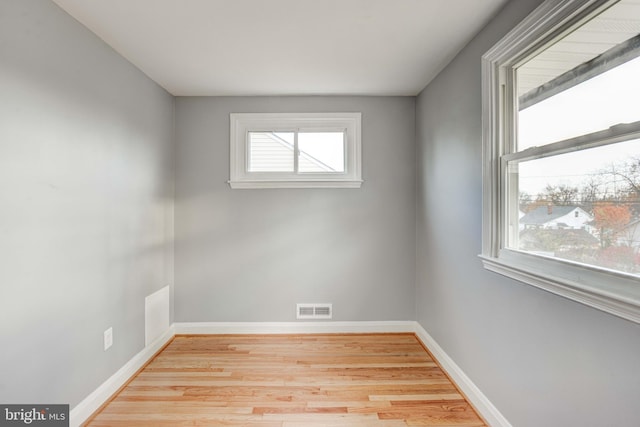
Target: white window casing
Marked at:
612, 291
242, 125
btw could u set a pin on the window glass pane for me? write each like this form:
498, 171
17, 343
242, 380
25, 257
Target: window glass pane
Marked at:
270, 151
585, 82
321, 152
582, 206
608, 99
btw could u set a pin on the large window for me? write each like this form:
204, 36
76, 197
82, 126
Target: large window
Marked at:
295, 150
562, 153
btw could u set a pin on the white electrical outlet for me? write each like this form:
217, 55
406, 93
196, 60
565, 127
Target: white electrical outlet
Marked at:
108, 338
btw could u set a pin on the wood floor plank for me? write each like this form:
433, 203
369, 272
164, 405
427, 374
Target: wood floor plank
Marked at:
372, 380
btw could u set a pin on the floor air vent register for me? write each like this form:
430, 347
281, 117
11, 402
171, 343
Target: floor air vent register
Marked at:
314, 311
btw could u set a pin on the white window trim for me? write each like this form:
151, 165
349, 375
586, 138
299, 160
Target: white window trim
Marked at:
607, 290
242, 123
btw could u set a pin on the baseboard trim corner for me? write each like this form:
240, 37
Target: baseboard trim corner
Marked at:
90, 404
480, 402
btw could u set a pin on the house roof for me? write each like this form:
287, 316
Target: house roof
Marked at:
543, 214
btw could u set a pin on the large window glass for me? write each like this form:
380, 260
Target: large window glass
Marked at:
605, 100
562, 151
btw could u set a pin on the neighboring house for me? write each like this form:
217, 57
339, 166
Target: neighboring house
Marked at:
271, 152
557, 217
629, 235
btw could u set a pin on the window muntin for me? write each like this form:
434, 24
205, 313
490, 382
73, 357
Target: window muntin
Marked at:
524, 151
295, 150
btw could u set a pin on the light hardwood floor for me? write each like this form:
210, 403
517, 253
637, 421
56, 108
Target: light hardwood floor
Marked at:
363, 380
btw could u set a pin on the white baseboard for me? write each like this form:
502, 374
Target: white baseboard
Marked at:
471, 391
81, 412
293, 327
98, 397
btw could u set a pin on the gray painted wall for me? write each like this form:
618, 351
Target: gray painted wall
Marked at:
541, 359
251, 255
85, 204
86, 225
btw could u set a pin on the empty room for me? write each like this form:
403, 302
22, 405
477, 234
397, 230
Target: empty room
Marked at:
278, 213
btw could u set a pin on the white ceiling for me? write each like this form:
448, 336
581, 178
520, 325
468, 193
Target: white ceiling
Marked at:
286, 47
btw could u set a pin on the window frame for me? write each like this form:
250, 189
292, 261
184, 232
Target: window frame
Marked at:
242, 123
611, 291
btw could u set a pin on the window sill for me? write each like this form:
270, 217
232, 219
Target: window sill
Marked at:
575, 282
295, 184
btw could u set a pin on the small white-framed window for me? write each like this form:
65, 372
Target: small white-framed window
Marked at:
295, 150
561, 153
